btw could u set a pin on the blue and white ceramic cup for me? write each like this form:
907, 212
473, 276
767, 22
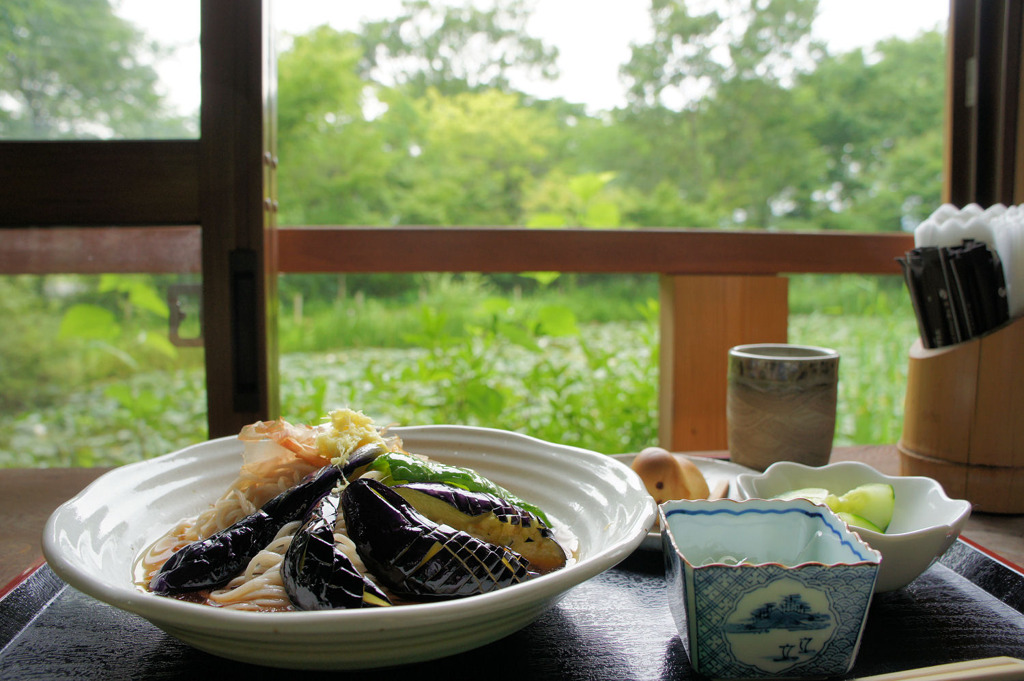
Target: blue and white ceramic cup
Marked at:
766, 588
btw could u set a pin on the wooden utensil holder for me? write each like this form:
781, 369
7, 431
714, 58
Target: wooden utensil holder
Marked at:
963, 422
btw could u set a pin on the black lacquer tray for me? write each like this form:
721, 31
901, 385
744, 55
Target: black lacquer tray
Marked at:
617, 626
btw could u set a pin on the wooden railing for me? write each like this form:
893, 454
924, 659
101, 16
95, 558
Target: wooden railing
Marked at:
718, 289
172, 249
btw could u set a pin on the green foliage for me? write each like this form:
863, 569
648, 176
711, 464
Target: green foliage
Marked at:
316, 318
879, 122
884, 297
579, 201
111, 423
870, 321
89, 322
872, 370
31, 361
333, 166
466, 354
539, 373
129, 320
432, 47
735, 119
89, 375
737, 41
75, 70
474, 154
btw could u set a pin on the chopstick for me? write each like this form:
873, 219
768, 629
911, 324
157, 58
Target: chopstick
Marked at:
1001, 668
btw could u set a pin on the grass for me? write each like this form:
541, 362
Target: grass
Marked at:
872, 371
463, 351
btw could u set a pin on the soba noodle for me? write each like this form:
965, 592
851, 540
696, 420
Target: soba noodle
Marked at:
259, 586
271, 469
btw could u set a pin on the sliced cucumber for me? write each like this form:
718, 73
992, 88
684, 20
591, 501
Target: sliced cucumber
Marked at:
870, 504
856, 521
873, 501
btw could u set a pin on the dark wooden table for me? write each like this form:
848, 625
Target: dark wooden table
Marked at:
612, 627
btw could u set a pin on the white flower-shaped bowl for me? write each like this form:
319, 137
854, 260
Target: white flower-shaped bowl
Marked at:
925, 522
766, 588
93, 541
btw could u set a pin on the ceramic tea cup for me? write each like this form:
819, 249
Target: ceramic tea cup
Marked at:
781, 404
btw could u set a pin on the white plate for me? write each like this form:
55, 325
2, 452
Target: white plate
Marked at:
92, 541
715, 471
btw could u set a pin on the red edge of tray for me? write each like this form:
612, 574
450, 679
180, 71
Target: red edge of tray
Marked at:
26, 573
992, 554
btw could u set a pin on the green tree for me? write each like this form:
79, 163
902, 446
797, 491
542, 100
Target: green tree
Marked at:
715, 87
878, 121
736, 118
76, 69
751, 119
453, 49
334, 163
762, 156
578, 201
413, 120
692, 55
470, 158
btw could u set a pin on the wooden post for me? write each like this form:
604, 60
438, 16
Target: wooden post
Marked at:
701, 318
237, 215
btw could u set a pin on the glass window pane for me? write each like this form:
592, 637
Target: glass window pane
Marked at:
779, 116
800, 120
99, 69
90, 373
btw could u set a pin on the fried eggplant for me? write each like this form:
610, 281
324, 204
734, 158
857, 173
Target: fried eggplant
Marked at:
488, 518
317, 575
415, 557
210, 563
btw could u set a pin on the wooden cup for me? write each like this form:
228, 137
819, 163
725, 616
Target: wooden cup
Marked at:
963, 421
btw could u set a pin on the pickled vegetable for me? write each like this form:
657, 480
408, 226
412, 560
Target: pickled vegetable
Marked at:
872, 501
856, 521
869, 506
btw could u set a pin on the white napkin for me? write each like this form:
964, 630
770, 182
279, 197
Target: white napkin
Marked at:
999, 227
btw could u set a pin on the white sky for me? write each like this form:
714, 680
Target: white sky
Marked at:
593, 36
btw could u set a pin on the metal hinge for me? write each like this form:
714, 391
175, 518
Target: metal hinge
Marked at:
177, 294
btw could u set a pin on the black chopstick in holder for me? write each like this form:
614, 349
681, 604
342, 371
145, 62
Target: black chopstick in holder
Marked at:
958, 292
